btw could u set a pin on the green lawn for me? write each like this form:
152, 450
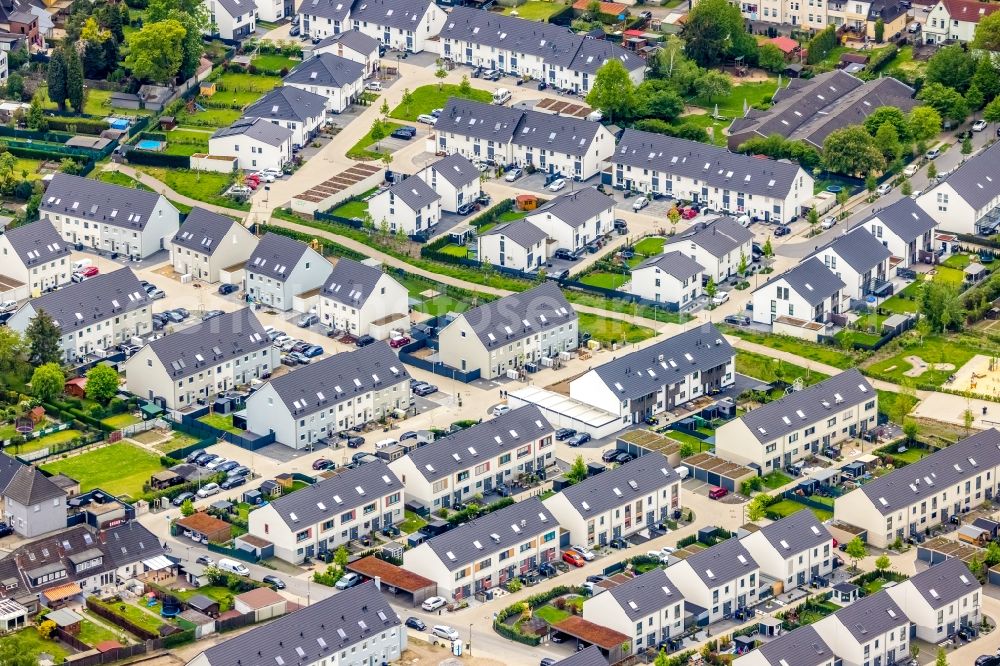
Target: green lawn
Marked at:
452, 250
650, 246
54, 439
139, 616
905, 301
96, 103
440, 305
428, 98
411, 523
510, 216
220, 421
814, 352
608, 330
953, 276
92, 633
731, 105
685, 438
776, 479
187, 142
177, 441
934, 349
770, 369
351, 209
535, 10
785, 508
241, 88
28, 168
551, 614
121, 420
201, 185
895, 405
360, 150
27, 643
274, 62
118, 178
223, 595
605, 280
959, 261
210, 118
120, 469
715, 128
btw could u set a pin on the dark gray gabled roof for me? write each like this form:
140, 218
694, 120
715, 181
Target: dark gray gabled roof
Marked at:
276, 256
400, 14
862, 251
311, 634
576, 207
351, 282
482, 442
350, 39
342, 492
101, 297
945, 582
238, 7
8, 468
592, 53
29, 486
718, 237
256, 128
666, 362
871, 616
562, 134
801, 647
724, 562
522, 232
931, 474
675, 264
287, 103
98, 201
327, 70
339, 377
335, 10
977, 181
203, 230
37, 243
208, 343
796, 533
645, 595
519, 315
591, 656
492, 533
490, 122
717, 167
414, 192
811, 280
905, 218
456, 169
131, 542
626, 483
800, 409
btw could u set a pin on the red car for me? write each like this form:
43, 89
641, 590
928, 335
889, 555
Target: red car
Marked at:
90, 271
574, 558
396, 343
689, 213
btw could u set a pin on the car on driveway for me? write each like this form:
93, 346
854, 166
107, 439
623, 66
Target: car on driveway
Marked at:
305, 321
574, 558
396, 343
618, 543
828, 223
557, 184
610, 455
640, 203
584, 552
364, 341
623, 457
433, 603
415, 623
513, 174
781, 230
500, 410
348, 580
226, 288
564, 254
312, 351
579, 439
467, 208
427, 119
564, 433
273, 581
204, 560
212, 314
232, 482
910, 170
321, 463
737, 320
425, 390
355, 442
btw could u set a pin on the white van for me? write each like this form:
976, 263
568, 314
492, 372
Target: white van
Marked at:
232, 566
501, 96
80, 264
7, 306
386, 443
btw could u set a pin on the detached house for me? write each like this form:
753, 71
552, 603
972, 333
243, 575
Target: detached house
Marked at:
353, 45
861, 262
719, 580
111, 218
518, 245
872, 630
255, 143
455, 179
619, 502
282, 268
337, 79
906, 230
802, 647
232, 20
406, 25
810, 291
273, 11
291, 107
955, 20
795, 549
477, 460
649, 608
410, 206
672, 278
208, 243
576, 218
720, 245
357, 296
968, 200
329, 513
35, 256
940, 600
32, 504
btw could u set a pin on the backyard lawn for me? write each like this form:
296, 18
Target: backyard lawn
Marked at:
92, 633
141, 617
905, 301
535, 10
351, 209
731, 105
223, 595
932, 350
200, 185
120, 468
96, 103
824, 354
121, 420
242, 88
55, 439
785, 508
685, 438
895, 405
770, 369
453, 250
605, 280
29, 644
440, 305
715, 128
177, 441
360, 150
776, 479
551, 614
411, 523
187, 142
28, 167
428, 98
274, 62
221, 422
650, 246
608, 331
118, 178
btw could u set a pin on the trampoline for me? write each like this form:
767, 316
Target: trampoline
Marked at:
151, 145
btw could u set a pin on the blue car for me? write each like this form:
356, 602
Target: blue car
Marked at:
312, 351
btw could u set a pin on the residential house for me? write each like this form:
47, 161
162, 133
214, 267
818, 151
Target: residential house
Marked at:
810, 291
331, 512
33, 505
728, 182
487, 551
925, 493
95, 315
795, 549
619, 502
940, 600
576, 218
591, 656
255, 143
518, 245
208, 243
719, 580
210, 357
356, 627
501, 336
291, 107
673, 279
906, 229
339, 80
409, 206
357, 296
455, 179
405, 25
35, 256
109, 218
274, 11
892, 13
477, 460
861, 262
325, 18
232, 20
872, 630
690, 365
353, 45
801, 423
312, 403
801, 646
282, 268
955, 20
968, 199
720, 245
649, 608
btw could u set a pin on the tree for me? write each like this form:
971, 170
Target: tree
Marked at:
12, 353
987, 35
942, 658
187, 508
674, 216
155, 52
821, 45
843, 196
57, 78
850, 151
441, 75
714, 84
714, 30
15, 86
47, 381
192, 46
378, 131
924, 123
891, 115
768, 249
43, 336
967, 146
931, 171
968, 418
74, 80
856, 550
662, 659
991, 112
612, 91
384, 109
756, 508
578, 472
987, 78
741, 269
771, 58
879, 31
947, 101
46, 628
887, 141
906, 189
812, 218
656, 98
952, 66
464, 87
882, 563
710, 287
406, 99
940, 306
871, 183
102, 383
974, 98
341, 556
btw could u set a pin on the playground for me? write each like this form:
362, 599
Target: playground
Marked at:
980, 375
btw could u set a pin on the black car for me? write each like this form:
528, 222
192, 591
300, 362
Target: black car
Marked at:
226, 466
579, 439
408, 435
564, 433
610, 455
274, 581
546, 569
781, 230
737, 320
619, 543
355, 442
294, 31
623, 457
191, 457
466, 208
563, 253
227, 288
180, 499
6, 530
203, 457
233, 482
495, 75
415, 623
477, 72
405, 132
988, 660
364, 341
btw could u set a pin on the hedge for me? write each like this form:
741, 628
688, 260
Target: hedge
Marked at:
534, 601
473, 511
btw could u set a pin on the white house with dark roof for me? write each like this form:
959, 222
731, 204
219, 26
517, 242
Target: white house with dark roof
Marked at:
324, 18
208, 243
353, 45
719, 245
339, 392
477, 460
661, 377
906, 229
670, 278
234, 20
940, 600
92, 316
107, 217
455, 179
801, 646
294, 108
273, 11
32, 504
35, 256
810, 292
357, 295
338, 79
519, 245
860, 261
968, 200
575, 218
648, 608
800, 424
410, 206
795, 549
719, 580
399, 24
728, 182
619, 502
200, 361
255, 143
282, 268
872, 630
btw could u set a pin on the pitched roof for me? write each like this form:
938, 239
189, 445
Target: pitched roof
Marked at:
675, 264
482, 442
969, 11
98, 201
287, 103
575, 208
802, 647
811, 280
905, 218
716, 166
859, 249
335, 10
887, 10
666, 362
977, 180
339, 377
101, 297
29, 486
492, 533
131, 542
328, 70
723, 562
645, 595
718, 237
203, 230
796, 533
341, 492
401, 14
456, 169
626, 483
521, 231
237, 7
944, 583
37, 243
490, 122
413, 192
871, 616
9, 465
257, 129
519, 315
312, 633
351, 39
276, 256
548, 131
208, 343
351, 282
260, 597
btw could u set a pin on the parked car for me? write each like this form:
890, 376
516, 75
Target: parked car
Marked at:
307, 320
717, 492
513, 174
90, 271
191, 457
623, 457
828, 223
979, 126
640, 203
355, 442
546, 569
564, 254
689, 213
226, 288
204, 460
212, 464
500, 410
579, 439
226, 466
405, 133
425, 390
444, 631
374, 86
618, 543
557, 184
212, 314
312, 351
574, 558
396, 343
427, 119
273, 581
910, 170
610, 455
231, 482
415, 623
564, 433
364, 341
433, 603
720, 297
884, 189
584, 552
299, 358
322, 463
737, 320
467, 208
238, 472
348, 580
208, 490
781, 230
933, 153
205, 560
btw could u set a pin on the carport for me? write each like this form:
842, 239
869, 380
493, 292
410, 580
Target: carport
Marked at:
609, 641
641, 442
939, 549
718, 472
390, 578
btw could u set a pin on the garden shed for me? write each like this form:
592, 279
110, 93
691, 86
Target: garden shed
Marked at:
204, 605
263, 602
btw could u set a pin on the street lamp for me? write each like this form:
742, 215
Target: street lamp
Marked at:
470, 639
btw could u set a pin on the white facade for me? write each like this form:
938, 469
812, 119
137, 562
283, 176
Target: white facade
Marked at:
720, 268
153, 237
655, 284
252, 154
884, 647
954, 20
338, 98
905, 249
232, 20
415, 38
400, 216
310, 272
234, 248
451, 196
936, 622
857, 285
795, 565
369, 59
388, 298
273, 11
646, 625
500, 250
39, 278
575, 237
951, 211
720, 596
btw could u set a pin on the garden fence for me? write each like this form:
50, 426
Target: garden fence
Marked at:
152, 424
808, 501
235, 622
406, 355
99, 608
236, 553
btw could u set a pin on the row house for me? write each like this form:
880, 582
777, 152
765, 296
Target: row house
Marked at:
672, 278
872, 630
357, 297
575, 219
518, 245
719, 580
720, 245
406, 26
968, 200
808, 292
409, 206
338, 79
281, 268
906, 229
35, 256
209, 243
861, 262
940, 600
293, 108
255, 143
649, 608
795, 549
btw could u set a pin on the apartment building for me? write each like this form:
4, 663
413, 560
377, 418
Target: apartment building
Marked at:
968, 200
906, 229
802, 647
955, 20
795, 549
409, 206
643, 492
95, 315
861, 262
331, 512
673, 279
477, 460
339, 80
649, 608
719, 580
305, 406
720, 245
255, 143
518, 245
576, 218
291, 107
940, 600
801, 423
809, 291
35, 256
872, 630
455, 179
488, 551
357, 296
282, 268
208, 243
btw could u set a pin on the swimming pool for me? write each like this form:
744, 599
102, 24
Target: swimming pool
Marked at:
150, 144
